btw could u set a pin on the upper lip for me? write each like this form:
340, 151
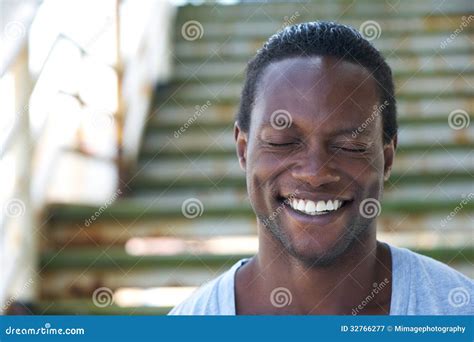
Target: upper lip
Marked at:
315, 197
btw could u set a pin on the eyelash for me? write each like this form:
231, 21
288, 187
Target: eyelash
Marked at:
277, 145
359, 150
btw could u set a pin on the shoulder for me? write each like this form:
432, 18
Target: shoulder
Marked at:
433, 287
213, 298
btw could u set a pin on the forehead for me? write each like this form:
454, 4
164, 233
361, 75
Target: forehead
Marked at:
316, 91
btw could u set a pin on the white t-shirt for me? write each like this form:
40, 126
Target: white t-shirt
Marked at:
420, 286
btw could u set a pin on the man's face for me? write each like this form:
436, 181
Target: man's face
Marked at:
302, 146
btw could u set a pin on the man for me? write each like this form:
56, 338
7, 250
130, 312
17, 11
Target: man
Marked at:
316, 152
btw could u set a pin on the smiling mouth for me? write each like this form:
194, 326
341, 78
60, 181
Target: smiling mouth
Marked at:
314, 208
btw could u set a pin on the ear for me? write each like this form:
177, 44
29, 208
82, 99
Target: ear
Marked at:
241, 139
389, 155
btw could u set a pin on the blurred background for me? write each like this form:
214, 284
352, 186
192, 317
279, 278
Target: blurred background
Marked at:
120, 187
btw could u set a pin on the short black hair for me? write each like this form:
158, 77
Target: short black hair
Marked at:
321, 38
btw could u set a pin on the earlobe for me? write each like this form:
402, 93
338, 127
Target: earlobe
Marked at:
241, 145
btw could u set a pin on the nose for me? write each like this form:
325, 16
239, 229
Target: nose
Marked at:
315, 169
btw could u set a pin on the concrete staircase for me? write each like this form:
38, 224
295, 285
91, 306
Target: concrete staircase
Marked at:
145, 241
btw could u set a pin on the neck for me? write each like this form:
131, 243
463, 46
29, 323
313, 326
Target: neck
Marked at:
334, 289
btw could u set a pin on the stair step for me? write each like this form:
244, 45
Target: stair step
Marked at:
261, 30
200, 141
170, 113
420, 44
119, 260
427, 66
407, 87
316, 9
211, 171
234, 203
156, 238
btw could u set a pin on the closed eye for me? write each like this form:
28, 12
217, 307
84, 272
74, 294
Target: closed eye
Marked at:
283, 144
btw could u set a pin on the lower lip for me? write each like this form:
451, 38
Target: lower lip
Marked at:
319, 220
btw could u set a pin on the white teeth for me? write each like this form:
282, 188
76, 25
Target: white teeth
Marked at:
321, 206
312, 208
329, 205
301, 205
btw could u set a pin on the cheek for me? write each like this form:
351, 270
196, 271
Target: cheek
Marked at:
262, 172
